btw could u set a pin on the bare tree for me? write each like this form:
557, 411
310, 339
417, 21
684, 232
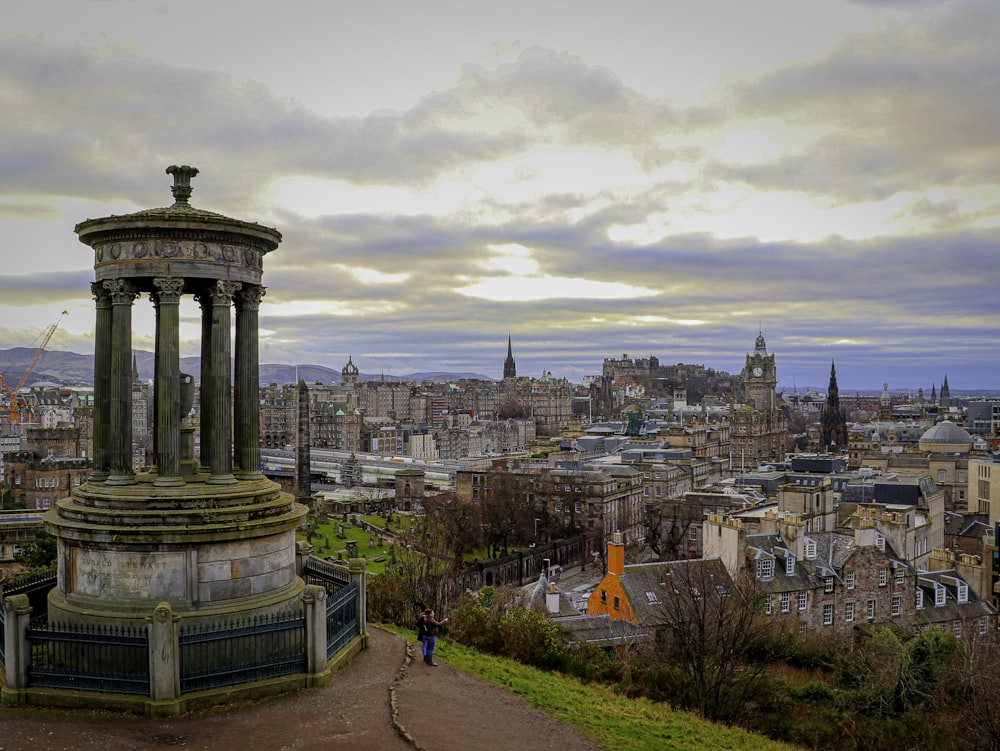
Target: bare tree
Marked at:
450, 528
979, 686
707, 626
668, 526
505, 517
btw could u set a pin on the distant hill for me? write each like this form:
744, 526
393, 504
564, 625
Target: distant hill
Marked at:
72, 368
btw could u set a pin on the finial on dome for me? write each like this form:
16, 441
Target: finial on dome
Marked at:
182, 182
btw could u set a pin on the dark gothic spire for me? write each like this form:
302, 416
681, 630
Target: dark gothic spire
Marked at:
832, 392
509, 367
833, 422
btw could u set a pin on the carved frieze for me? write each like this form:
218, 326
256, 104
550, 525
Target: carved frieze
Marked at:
169, 249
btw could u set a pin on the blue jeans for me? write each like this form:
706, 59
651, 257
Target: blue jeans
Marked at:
429, 643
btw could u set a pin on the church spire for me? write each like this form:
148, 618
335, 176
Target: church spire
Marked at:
833, 421
509, 367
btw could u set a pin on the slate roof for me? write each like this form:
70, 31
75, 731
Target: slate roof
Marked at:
600, 630
534, 597
932, 614
833, 550
650, 586
802, 577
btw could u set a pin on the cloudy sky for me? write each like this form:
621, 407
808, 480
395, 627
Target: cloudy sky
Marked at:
592, 178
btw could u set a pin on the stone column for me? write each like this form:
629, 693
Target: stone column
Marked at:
247, 384
220, 384
153, 410
102, 375
206, 421
122, 294
167, 382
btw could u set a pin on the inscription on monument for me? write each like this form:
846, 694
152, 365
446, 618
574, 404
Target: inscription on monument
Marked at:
129, 576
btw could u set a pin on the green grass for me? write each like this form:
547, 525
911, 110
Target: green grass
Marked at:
329, 544
612, 721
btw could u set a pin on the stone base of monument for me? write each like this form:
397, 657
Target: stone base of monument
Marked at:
211, 552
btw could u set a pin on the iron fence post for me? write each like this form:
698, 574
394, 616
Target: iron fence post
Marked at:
17, 617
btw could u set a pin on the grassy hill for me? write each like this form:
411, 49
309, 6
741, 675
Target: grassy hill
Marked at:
612, 721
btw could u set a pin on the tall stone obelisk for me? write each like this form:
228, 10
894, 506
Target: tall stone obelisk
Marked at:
213, 538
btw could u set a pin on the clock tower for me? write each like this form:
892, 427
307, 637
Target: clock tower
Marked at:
760, 377
759, 427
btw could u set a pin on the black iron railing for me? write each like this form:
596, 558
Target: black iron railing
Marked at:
240, 651
89, 657
341, 618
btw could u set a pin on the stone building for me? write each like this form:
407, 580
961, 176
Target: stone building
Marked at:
984, 488
278, 417
759, 431
835, 581
50, 466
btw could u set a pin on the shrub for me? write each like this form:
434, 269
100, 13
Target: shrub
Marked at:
474, 622
532, 639
815, 692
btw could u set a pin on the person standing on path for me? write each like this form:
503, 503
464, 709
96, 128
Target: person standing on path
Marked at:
422, 634
430, 639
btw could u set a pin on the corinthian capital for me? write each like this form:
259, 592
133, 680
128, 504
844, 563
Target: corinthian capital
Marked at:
122, 291
222, 292
100, 293
168, 289
249, 296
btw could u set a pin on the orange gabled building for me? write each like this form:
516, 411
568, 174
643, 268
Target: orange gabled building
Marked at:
609, 597
650, 594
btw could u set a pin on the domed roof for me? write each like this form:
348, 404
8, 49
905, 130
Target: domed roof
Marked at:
947, 432
181, 218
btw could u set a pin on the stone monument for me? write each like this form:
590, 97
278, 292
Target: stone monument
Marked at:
208, 534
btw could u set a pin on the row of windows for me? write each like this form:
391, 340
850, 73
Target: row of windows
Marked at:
785, 599
850, 578
557, 507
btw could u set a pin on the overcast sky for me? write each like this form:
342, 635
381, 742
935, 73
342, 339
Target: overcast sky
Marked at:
592, 178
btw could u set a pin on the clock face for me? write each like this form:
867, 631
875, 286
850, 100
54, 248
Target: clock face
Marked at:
758, 372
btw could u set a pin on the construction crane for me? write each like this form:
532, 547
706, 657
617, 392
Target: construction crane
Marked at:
17, 403
14, 409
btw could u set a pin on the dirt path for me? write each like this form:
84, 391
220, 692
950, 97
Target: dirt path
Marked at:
439, 709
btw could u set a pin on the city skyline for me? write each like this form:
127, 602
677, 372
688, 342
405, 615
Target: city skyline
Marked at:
649, 179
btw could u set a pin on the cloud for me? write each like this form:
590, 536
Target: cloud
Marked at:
845, 202
912, 102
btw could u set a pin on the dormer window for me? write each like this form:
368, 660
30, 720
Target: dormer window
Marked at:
963, 592
920, 599
940, 595
790, 565
765, 568
810, 550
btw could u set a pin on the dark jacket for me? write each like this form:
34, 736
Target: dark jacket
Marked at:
433, 626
